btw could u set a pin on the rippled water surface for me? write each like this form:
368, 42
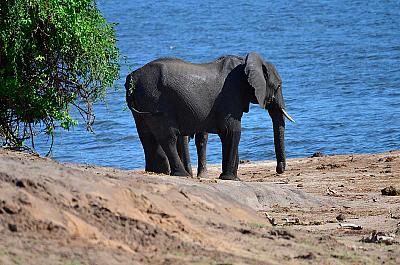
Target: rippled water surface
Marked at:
339, 61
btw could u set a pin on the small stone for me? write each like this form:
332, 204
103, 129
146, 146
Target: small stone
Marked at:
308, 256
13, 227
341, 217
24, 199
11, 208
317, 154
282, 233
20, 184
380, 237
390, 191
389, 159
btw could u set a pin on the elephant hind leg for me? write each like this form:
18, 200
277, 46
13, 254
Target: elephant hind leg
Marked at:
158, 161
155, 157
167, 135
175, 162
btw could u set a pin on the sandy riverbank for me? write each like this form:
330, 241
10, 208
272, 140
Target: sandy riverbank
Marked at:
56, 213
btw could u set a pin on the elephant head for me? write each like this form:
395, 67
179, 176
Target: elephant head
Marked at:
267, 84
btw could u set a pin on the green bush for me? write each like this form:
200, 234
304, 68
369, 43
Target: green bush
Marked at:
54, 55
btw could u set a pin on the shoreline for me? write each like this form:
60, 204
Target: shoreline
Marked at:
212, 165
62, 213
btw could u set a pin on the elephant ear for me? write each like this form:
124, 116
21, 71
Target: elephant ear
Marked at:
255, 77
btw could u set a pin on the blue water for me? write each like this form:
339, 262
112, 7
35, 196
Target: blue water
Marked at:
339, 61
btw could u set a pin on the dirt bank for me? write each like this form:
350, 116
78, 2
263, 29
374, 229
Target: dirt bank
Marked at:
55, 213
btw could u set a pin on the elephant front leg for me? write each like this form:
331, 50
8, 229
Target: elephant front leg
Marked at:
201, 146
156, 160
230, 157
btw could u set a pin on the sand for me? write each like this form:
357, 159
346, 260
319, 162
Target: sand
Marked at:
322, 210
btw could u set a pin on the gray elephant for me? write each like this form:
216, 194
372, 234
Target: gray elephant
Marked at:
171, 99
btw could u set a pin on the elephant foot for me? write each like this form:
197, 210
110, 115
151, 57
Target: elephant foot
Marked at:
280, 167
202, 174
229, 177
181, 174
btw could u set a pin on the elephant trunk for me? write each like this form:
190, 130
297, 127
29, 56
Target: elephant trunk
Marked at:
278, 121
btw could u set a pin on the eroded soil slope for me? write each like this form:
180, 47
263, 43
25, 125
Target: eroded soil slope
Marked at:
54, 213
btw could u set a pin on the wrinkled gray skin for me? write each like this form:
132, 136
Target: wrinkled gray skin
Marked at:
171, 99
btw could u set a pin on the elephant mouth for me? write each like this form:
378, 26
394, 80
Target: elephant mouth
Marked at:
287, 115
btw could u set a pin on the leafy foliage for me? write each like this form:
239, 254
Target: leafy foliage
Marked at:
54, 55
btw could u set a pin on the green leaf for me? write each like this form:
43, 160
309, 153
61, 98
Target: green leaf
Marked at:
54, 55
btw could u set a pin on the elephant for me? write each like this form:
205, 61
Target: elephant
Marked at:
171, 99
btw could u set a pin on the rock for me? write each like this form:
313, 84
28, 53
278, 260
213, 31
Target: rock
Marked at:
387, 159
271, 219
282, 233
309, 256
351, 226
390, 191
13, 227
24, 199
317, 154
11, 208
341, 217
289, 221
380, 237
20, 184
245, 231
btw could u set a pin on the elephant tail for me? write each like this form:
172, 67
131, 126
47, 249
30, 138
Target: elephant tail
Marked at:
132, 108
